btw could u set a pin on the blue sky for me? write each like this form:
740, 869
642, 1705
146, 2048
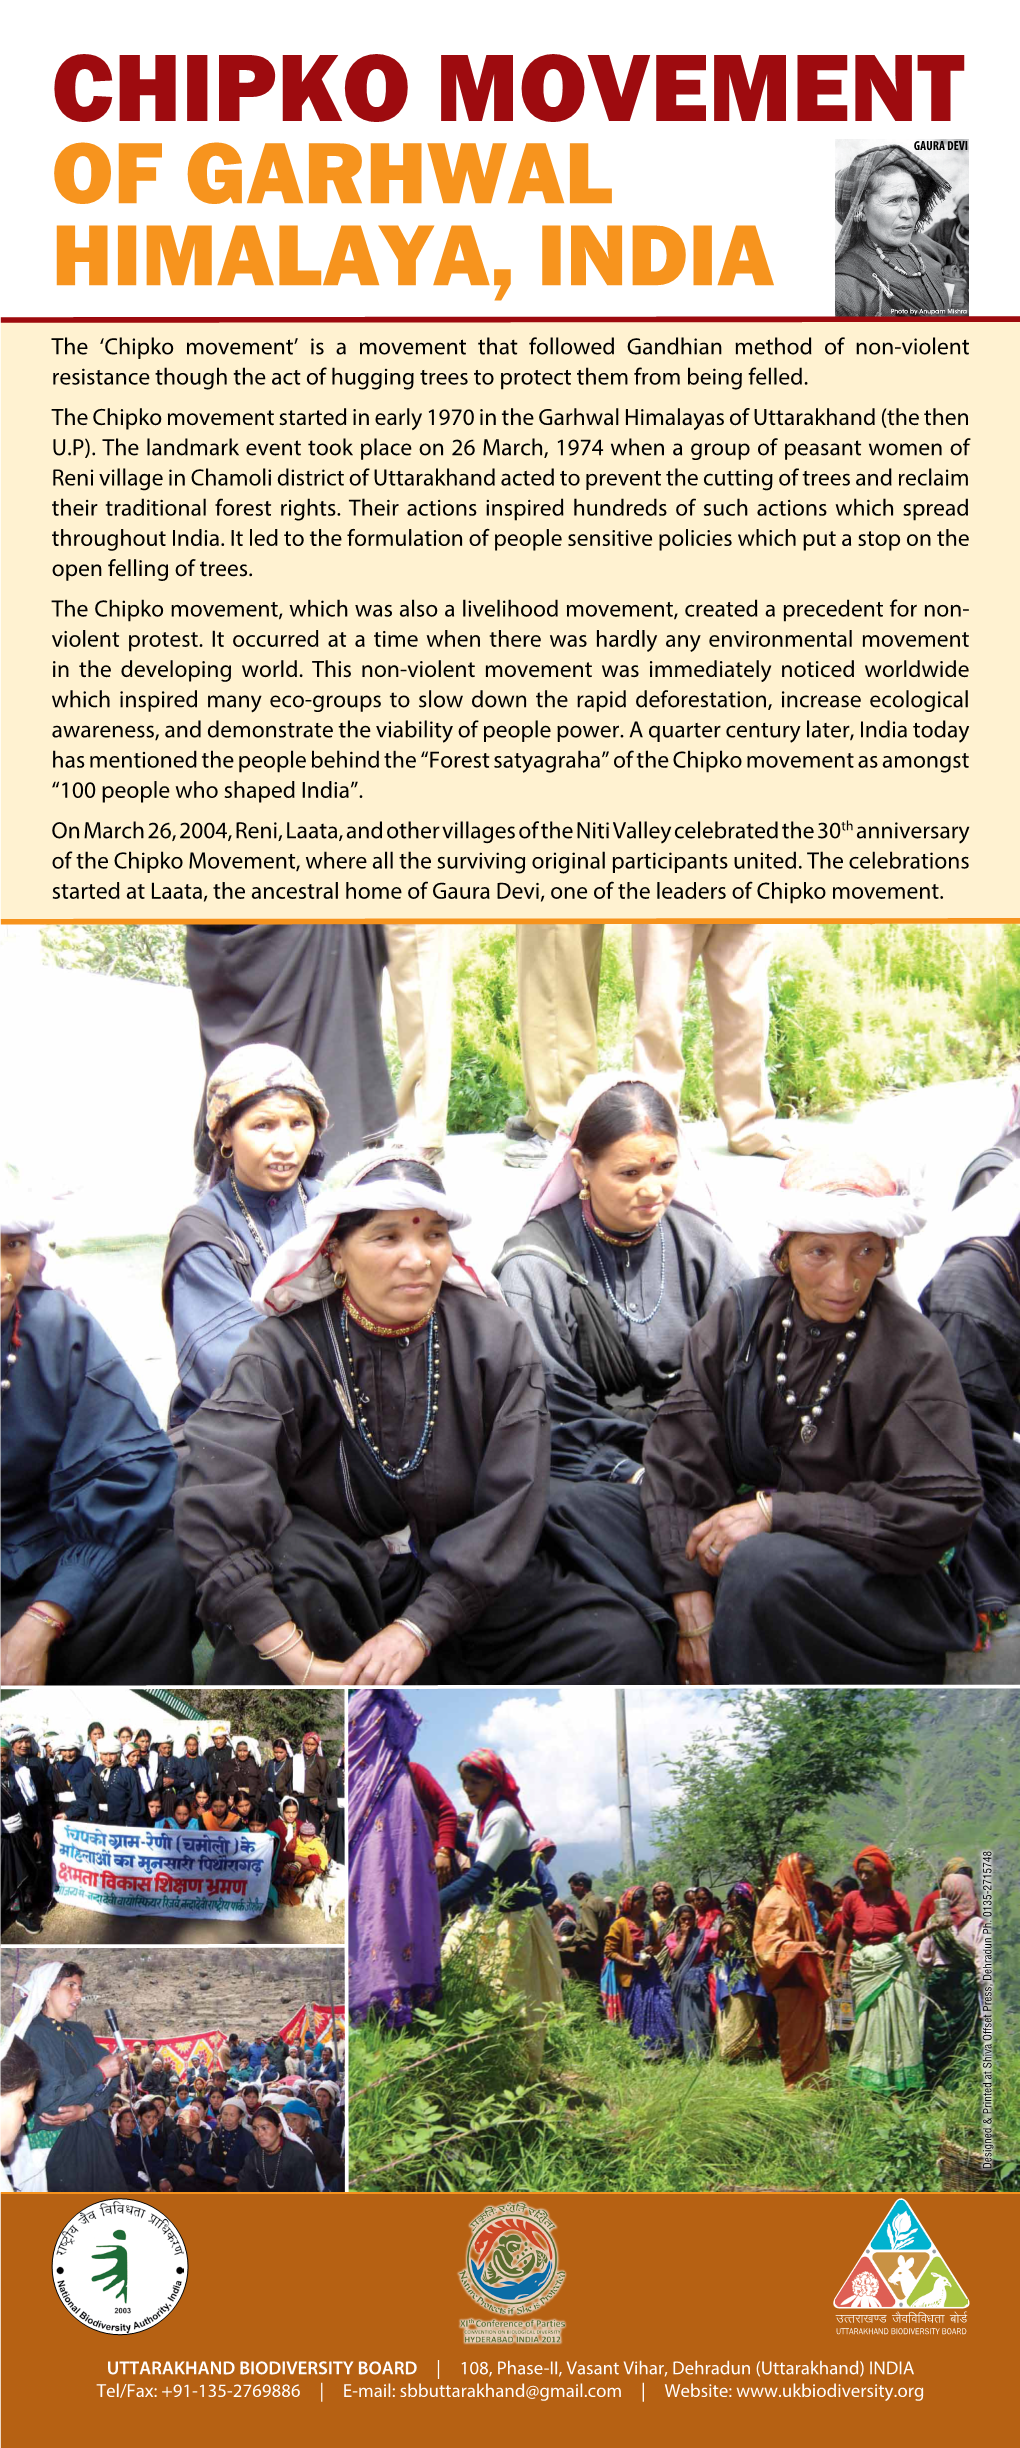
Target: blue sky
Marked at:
561, 1746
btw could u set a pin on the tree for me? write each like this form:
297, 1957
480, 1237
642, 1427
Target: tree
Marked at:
744, 1802
262, 1711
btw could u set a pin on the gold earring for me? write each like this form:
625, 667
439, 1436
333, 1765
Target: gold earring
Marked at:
584, 1186
857, 1283
783, 1263
339, 1277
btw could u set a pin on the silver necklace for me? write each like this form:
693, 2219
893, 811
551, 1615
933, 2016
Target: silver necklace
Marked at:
629, 1309
270, 2188
811, 1412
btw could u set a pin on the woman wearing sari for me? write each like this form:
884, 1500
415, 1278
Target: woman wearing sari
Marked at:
810, 1481
951, 1957
619, 1258
885, 2052
393, 1898
499, 1902
632, 1985
363, 1498
689, 1953
738, 1982
789, 1956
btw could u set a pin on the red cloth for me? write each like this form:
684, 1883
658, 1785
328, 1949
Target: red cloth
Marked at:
925, 1908
506, 1786
882, 1862
872, 1923
437, 1807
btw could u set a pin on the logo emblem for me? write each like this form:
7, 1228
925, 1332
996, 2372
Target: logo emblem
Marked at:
512, 2264
120, 2266
901, 2270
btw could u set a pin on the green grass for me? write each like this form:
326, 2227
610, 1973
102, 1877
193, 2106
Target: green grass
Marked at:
430, 2113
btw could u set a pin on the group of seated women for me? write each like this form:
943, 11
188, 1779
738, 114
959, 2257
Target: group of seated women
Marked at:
628, 1458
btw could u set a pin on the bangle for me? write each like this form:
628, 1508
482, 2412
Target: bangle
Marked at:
48, 1616
763, 1501
292, 1637
308, 1668
407, 1626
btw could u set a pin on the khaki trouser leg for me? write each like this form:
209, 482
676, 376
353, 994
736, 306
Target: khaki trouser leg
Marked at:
420, 963
663, 959
557, 1008
736, 965
735, 960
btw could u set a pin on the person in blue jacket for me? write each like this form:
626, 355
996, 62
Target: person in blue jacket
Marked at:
114, 1798
70, 1778
223, 2152
93, 1587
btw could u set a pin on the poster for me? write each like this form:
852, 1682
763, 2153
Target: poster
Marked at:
169, 1871
455, 482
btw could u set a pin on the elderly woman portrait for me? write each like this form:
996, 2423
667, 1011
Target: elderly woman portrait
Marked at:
886, 264
811, 1481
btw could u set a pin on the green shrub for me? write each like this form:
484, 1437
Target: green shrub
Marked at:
154, 955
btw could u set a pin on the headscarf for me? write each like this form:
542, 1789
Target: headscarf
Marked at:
882, 1862
848, 1191
259, 1070
852, 184
790, 1878
299, 1271
34, 1996
961, 1896
538, 1842
557, 1181
506, 1788
959, 1862
22, 1209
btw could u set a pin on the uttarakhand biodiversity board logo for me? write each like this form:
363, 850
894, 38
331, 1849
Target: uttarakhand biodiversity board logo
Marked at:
512, 2268
119, 2266
901, 2270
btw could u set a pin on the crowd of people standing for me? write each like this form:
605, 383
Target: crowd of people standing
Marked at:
126, 1778
781, 1968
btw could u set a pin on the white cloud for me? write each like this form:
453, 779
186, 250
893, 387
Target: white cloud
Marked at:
562, 1750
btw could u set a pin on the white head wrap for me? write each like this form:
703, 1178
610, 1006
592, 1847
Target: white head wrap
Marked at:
299, 1271
557, 1181
22, 1210
34, 1999
855, 1194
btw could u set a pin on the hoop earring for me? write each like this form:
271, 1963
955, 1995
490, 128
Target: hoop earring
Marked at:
226, 1153
339, 1274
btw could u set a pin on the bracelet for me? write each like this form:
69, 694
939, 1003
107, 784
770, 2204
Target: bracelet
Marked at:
292, 1638
308, 1668
407, 1626
47, 1616
763, 1501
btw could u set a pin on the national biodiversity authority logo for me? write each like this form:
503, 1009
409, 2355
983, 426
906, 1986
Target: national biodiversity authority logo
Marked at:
512, 2271
119, 2267
901, 2270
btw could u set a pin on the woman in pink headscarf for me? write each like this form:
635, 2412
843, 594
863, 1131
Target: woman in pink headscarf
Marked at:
810, 1481
951, 1956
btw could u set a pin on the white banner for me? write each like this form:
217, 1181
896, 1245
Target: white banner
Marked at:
172, 1871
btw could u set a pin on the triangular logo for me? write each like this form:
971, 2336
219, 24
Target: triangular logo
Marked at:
865, 2290
901, 2231
901, 2270
937, 2290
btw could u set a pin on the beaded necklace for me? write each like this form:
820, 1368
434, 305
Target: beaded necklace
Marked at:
811, 1412
375, 1326
625, 1309
12, 1357
260, 1244
395, 1470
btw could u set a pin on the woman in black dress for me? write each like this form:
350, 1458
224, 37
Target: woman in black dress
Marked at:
276, 2164
68, 2134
